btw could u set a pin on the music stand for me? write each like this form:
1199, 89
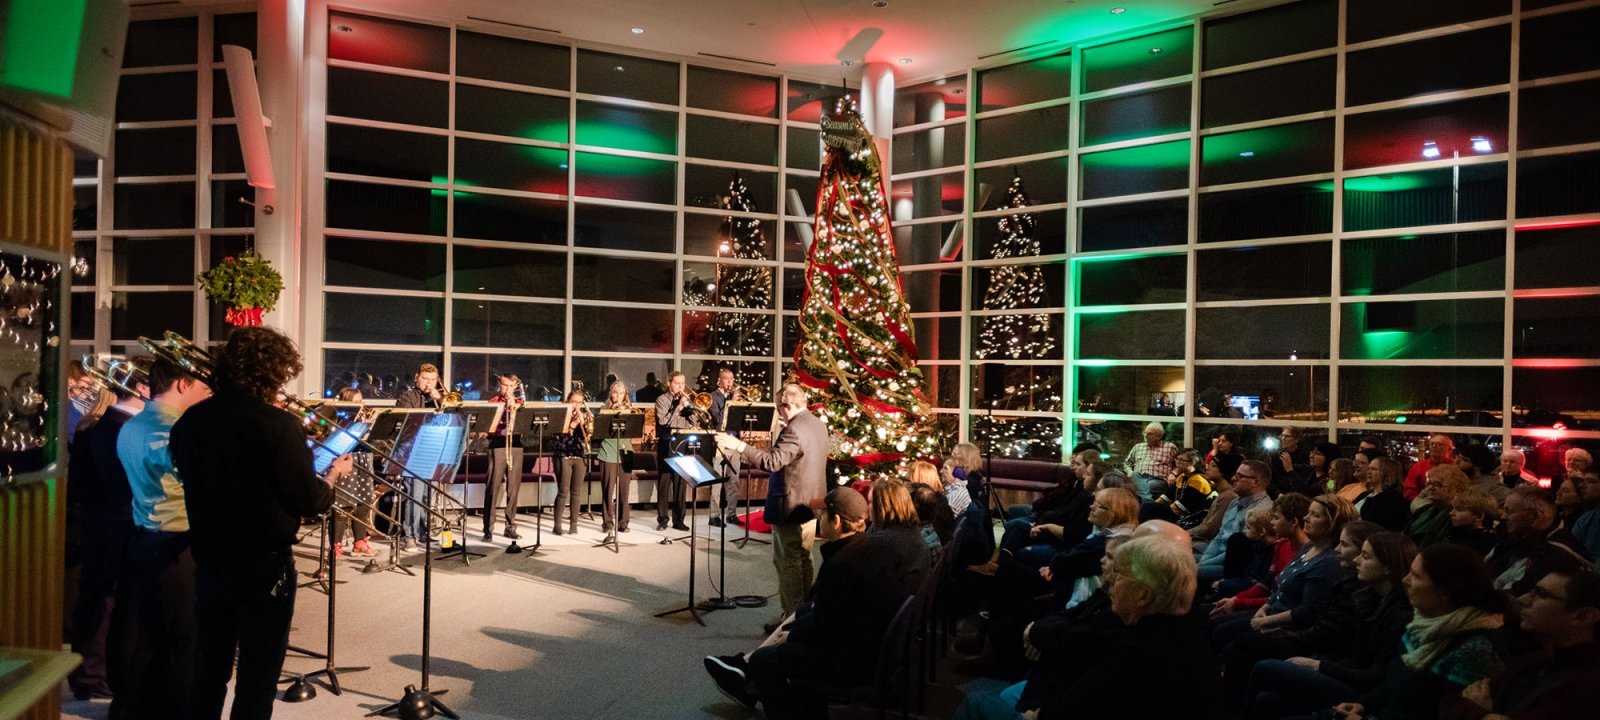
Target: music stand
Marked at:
740, 418
616, 425
477, 415
539, 418
697, 472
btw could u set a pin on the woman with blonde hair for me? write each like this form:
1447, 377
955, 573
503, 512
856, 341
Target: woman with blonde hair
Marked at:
612, 473
962, 475
926, 473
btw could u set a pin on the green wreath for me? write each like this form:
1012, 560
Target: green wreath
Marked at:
246, 281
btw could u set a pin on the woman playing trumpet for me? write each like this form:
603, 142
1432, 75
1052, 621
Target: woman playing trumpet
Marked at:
572, 463
612, 473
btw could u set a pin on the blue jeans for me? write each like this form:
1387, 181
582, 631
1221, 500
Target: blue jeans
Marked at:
991, 705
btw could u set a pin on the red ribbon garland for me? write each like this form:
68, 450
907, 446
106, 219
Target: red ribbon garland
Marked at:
243, 317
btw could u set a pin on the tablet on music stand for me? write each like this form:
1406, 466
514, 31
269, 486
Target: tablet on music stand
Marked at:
694, 469
338, 442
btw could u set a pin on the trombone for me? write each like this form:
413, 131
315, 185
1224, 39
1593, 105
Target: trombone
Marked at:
117, 374
200, 364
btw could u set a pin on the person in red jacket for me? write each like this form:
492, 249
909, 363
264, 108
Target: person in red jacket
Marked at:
1440, 451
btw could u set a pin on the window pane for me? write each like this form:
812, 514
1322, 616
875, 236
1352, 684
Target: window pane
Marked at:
515, 114
1019, 437
1259, 273
1143, 335
1021, 336
226, 154
365, 206
933, 290
593, 372
997, 236
380, 374
1423, 329
1554, 115
733, 92
800, 196
514, 167
1370, 19
85, 207
1554, 44
540, 373
1151, 223
1143, 59
385, 264
928, 243
496, 217
151, 261
509, 60
380, 41
1023, 83
1544, 256
149, 314
731, 140
83, 314
387, 153
1400, 136
934, 148
1043, 181
804, 151
386, 319
163, 96
621, 228
1425, 197
1027, 133
1453, 62
627, 128
627, 77
1544, 397
805, 102
938, 338
708, 186
162, 42
1281, 392
1447, 262
355, 93
1132, 281
621, 329
1556, 327
1271, 332
503, 271
149, 207
228, 208
713, 235
1297, 88
486, 323
1116, 437
626, 178
930, 102
1136, 115
161, 151
1418, 395
1264, 153
1152, 390
727, 333
1558, 185
1149, 168
1273, 32
928, 196
1278, 211
595, 277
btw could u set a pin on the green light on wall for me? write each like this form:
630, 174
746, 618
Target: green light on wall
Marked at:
621, 132
1381, 344
1385, 183
1166, 155
40, 52
554, 131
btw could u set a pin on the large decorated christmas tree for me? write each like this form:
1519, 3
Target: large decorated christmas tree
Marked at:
856, 354
1016, 287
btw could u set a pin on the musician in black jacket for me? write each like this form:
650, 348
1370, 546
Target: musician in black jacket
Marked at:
248, 480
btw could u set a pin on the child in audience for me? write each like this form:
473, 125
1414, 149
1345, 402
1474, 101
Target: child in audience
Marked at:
1472, 518
1249, 557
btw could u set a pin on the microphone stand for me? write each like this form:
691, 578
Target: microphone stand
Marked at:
721, 601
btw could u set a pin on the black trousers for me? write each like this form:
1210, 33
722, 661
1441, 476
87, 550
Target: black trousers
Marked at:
105, 533
614, 485
667, 483
161, 595
245, 606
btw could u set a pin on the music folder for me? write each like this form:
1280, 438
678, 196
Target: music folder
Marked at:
627, 425
741, 416
483, 416
695, 469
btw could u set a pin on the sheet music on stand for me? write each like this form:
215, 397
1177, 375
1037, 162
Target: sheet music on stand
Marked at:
430, 444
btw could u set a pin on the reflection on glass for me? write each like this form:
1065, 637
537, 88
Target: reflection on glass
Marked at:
1370, 19
1558, 185
731, 140
623, 228
928, 243
1151, 223
625, 76
1544, 256
1556, 327
1293, 391
1258, 273
930, 102
1019, 286
1044, 181
388, 319
228, 208
1136, 115
596, 277
357, 262
938, 338
733, 92
1116, 437
1278, 151
938, 147
504, 271
479, 374
387, 153
379, 374
1139, 390
487, 323
1447, 262
370, 95
1552, 115
514, 114
710, 186
1545, 450
1017, 336
627, 128
597, 373
514, 167
804, 149
149, 314
1142, 59
1422, 329
1273, 32
1278, 211
83, 315
1302, 87
1019, 437
492, 57
1420, 395
717, 235
30, 440
159, 151
933, 290
1464, 128
1452, 62
497, 217
157, 206
149, 261
394, 43
1558, 44
727, 333
1425, 197
1144, 169
613, 329
1026, 82
1272, 332
927, 196
1129, 335
1049, 230
1026, 133
1549, 396
626, 178
806, 101
1135, 280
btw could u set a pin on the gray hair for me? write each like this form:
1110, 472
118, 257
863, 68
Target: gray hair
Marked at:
1156, 427
1165, 571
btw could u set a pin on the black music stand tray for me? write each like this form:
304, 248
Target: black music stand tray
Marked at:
613, 425
538, 418
477, 416
697, 472
740, 418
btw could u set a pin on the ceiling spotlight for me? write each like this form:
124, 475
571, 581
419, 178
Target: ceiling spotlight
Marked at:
617, 68
1430, 150
905, 61
343, 28
637, 30
847, 63
1155, 51
880, 3
1118, 10
1481, 144
1248, 154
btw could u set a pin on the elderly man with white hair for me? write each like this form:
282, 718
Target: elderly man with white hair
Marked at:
1514, 469
1152, 461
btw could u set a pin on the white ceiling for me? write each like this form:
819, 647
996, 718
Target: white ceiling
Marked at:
811, 38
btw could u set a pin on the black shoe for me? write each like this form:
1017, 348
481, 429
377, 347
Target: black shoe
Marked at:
714, 521
511, 534
487, 537
97, 691
731, 681
661, 524
622, 529
680, 526
734, 520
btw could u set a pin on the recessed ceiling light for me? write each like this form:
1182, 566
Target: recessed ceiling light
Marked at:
1118, 10
905, 61
637, 30
1155, 51
343, 28
847, 63
958, 91
880, 3
617, 68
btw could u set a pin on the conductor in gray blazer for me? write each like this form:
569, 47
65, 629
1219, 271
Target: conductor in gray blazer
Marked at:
799, 453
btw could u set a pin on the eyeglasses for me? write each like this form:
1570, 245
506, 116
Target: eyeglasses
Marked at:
1242, 476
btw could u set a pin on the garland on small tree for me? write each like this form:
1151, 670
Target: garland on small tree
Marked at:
247, 284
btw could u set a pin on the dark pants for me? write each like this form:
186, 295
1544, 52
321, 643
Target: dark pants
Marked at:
161, 594
1244, 652
105, 532
244, 606
614, 484
774, 669
1278, 689
668, 483
570, 484
1227, 628
512, 481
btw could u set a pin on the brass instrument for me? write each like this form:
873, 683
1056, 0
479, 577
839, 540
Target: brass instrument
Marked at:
700, 415
113, 373
747, 393
451, 398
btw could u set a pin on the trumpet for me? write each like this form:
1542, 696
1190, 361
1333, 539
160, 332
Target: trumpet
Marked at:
747, 393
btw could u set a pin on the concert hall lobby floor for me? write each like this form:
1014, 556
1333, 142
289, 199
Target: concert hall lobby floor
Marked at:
568, 633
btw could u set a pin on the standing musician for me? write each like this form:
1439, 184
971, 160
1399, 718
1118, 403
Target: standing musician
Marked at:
572, 460
360, 487
423, 393
724, 393
612, 473
674, 411
248, 479
505, 459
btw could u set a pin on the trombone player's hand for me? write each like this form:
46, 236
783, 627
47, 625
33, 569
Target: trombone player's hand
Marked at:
341, 467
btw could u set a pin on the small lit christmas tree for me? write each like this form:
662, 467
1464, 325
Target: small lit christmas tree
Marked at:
1016, 287
856, 353
740, 286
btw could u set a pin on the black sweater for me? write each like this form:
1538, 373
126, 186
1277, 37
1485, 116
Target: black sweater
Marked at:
1120, 685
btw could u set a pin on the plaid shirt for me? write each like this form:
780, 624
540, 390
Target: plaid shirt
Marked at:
1153, 461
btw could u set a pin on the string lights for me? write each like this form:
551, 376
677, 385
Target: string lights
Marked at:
738, 286
28, 328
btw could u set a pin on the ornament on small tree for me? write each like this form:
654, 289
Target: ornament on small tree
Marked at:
1016, 287
856, 352
247, 285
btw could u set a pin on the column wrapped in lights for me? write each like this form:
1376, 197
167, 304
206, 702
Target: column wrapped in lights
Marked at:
856, 354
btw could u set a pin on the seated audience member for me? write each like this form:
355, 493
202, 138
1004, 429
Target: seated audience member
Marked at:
1440, 449
1057, 520
1450, 642
1289, 463
1562, 679
1342, 478
1586, 528
1569, 500
1472, 518
925, 504
1573, 462
1224, 454
1430, 520
1360, 471
1318, 468
1305, 683
924, 473
1250, 488
1383, 502
1514, 469
1287, 519
963, 481
1481, 467
1189, 491
1533, 542
1201, 534
1115, 511
1251, 555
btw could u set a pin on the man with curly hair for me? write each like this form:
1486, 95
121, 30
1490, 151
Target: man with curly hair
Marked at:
248, 480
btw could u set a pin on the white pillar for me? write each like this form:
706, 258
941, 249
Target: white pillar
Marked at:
877, 108
280, 64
